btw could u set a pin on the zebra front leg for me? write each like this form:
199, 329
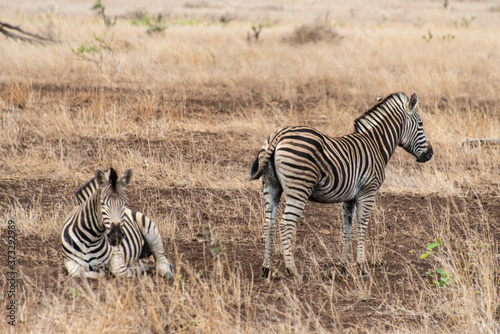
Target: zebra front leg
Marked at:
364, 209
117, 264
77, 270
272, 193
347, 214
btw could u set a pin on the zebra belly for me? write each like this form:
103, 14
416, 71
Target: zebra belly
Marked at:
324, 192
332, 197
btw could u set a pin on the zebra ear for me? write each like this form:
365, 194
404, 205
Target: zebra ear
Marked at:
413, 103
101, 178
126, 178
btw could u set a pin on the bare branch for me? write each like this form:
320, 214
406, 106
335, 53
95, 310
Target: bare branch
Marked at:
17, 33
108, 22
256, 33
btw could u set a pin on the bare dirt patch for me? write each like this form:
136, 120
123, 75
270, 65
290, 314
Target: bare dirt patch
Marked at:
400, 230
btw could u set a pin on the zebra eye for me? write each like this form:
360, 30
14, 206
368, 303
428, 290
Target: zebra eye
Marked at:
420, 124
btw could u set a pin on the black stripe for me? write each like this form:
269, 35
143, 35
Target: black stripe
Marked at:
299, 167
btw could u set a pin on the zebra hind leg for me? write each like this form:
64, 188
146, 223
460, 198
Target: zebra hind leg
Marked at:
292, 213
347, 214
163, 265
364, 207
153, 244
272, 190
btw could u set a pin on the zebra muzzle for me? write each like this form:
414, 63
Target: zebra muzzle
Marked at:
115, 234
427, 155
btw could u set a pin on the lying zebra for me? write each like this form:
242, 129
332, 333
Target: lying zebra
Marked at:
102, 234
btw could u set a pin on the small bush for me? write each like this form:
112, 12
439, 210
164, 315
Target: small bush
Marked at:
153, 23
313, 33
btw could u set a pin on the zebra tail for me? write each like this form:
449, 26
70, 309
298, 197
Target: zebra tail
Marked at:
255, 172
266, 152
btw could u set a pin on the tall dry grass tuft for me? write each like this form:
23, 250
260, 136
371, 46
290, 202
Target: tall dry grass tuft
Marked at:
18, 94
460, 290
194, 303
206, 58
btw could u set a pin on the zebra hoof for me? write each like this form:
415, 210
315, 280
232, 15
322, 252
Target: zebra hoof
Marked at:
265, 272
167, 275
166, 271
364, 271
170, 274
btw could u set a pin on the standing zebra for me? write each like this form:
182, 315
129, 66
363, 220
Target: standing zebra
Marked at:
305, 164
102, 233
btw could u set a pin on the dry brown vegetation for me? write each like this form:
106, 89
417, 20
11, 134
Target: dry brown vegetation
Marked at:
188, 108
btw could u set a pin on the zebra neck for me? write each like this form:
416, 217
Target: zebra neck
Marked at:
384, 123
386, 141
92, 208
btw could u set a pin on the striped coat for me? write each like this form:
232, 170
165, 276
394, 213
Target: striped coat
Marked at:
88, 234
305, 164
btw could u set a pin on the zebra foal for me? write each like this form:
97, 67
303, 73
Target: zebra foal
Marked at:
305, 164
102, 234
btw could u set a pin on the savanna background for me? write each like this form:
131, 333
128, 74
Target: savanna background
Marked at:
185, 93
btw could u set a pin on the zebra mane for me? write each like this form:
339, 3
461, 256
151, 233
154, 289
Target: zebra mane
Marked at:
86, 191
89, 188
373, 117
113, 177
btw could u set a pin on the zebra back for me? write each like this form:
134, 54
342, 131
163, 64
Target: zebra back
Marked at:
381, 126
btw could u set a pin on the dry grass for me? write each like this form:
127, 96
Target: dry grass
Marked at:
189, 108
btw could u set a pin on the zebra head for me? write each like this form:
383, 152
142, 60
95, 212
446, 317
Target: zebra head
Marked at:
413, 137
113, 202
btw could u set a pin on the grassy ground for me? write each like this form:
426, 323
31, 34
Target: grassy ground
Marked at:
189, 107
